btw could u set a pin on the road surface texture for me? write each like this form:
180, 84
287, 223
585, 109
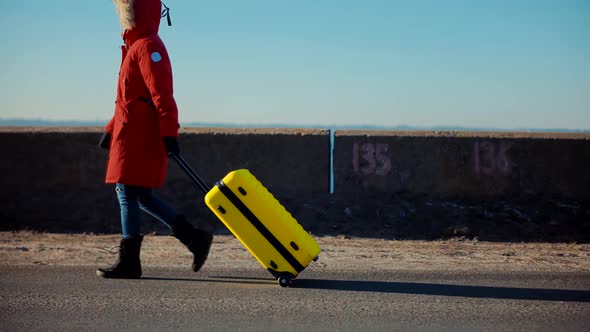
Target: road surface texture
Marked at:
48, 282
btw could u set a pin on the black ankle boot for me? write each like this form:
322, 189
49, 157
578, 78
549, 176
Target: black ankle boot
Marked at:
196, 240
128, 265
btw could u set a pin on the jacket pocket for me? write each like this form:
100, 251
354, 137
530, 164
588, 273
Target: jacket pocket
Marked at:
139, 112
121, 121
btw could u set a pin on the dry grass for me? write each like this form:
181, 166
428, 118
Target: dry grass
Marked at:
28, 248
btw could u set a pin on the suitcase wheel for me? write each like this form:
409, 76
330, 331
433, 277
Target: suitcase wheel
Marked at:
316, 258
285, 280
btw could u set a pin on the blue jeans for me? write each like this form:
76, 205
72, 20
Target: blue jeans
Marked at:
132, 199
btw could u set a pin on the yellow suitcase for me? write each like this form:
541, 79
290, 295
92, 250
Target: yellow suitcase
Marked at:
260, 222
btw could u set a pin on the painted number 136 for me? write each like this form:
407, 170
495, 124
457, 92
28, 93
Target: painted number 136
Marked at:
371, 159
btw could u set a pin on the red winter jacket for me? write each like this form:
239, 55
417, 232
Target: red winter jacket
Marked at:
145, 109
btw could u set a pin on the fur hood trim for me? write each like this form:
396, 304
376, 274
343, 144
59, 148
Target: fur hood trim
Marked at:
126, 15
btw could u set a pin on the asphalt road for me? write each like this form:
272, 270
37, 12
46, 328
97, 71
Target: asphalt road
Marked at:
73, 298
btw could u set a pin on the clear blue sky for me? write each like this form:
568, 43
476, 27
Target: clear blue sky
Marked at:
474, 63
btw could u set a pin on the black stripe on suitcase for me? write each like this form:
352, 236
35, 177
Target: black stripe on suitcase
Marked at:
260, 226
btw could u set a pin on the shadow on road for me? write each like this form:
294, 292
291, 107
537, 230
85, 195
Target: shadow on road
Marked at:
219, 279
537, 294
486, 292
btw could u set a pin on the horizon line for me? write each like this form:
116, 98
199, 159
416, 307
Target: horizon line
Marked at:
22, 122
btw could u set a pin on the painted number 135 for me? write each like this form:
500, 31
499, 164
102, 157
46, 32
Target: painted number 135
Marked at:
371, 159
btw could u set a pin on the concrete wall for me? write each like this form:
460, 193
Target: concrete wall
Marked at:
53, 178
468, 164
407, 185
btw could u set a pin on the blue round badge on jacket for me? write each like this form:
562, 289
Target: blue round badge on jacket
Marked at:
156, 57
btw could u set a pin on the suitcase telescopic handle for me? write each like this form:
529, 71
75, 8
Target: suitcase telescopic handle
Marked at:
199, 183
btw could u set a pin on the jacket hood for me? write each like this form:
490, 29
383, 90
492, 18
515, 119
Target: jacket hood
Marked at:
138, 18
